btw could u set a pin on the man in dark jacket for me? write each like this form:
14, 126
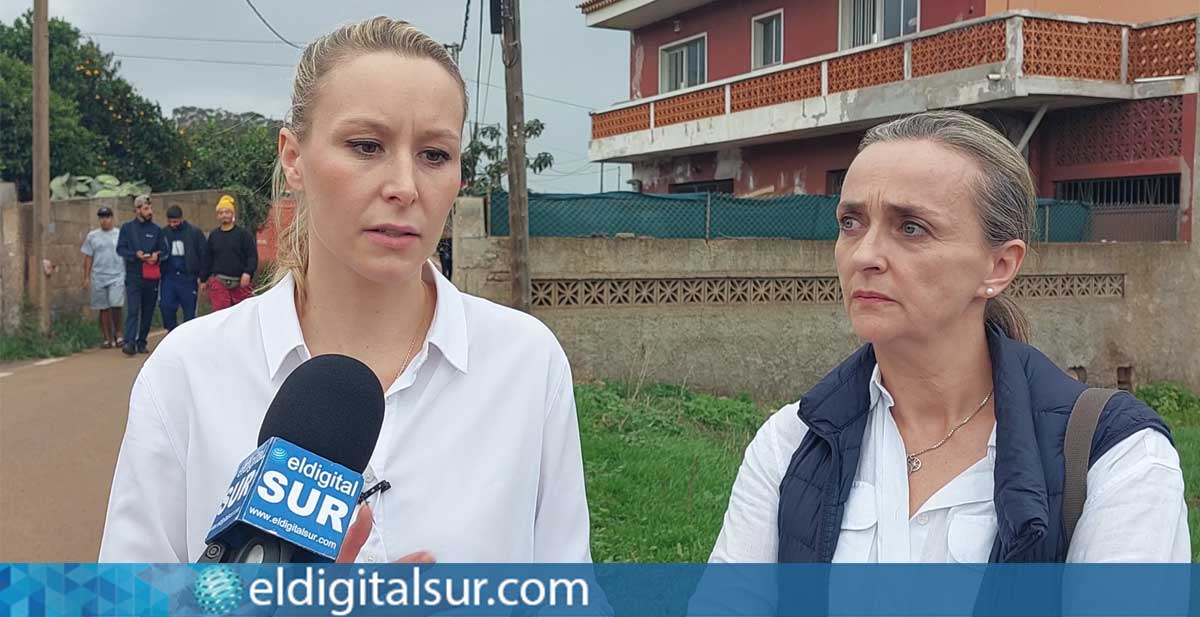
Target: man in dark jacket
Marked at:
142, 245
232, 258
182, 269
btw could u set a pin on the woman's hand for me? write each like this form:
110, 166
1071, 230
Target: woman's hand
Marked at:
357, 536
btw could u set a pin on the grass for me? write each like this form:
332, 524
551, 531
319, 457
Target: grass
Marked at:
660, 462
68, 334
659, 465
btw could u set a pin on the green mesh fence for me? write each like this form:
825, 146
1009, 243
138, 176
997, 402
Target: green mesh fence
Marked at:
714, 216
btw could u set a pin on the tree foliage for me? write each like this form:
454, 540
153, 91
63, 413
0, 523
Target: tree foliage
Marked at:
135, 141
485, 159
237, 155
74, 147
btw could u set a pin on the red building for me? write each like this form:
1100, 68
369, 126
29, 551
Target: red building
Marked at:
771, 97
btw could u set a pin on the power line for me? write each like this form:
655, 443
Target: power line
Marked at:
466, 20
269, 26
491, 56
200, 39
291, 66
478, 67
205, 60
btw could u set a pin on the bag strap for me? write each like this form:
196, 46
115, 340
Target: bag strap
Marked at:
1077, 449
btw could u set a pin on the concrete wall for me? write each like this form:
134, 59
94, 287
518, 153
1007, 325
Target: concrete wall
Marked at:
776, 351
11, 256
1116, 10
70, 221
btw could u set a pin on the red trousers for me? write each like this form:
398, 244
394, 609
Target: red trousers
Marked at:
223, 297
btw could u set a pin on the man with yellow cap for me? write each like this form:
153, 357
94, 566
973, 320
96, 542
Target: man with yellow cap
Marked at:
231, 259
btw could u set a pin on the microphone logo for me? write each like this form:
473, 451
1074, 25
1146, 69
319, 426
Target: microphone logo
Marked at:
218, 590
279, 454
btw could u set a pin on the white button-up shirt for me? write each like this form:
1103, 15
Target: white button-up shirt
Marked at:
480, 441
1135, 509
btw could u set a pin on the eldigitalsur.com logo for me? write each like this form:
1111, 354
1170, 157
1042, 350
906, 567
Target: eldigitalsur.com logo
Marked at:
219, 591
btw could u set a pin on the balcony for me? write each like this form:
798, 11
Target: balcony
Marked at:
1015, 60
633, 14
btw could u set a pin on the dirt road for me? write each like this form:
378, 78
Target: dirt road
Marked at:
61, 423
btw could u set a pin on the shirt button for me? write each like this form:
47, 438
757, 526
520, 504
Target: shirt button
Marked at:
923, 519
371, 558
369, 476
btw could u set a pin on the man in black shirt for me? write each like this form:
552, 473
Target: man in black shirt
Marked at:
231, 259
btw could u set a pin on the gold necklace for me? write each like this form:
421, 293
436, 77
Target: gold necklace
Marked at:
914, 463
412, 343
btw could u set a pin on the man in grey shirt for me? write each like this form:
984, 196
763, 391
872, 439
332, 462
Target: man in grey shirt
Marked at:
104, 274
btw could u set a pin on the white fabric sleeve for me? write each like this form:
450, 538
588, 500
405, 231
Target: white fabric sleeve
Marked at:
1135, 509
146, 520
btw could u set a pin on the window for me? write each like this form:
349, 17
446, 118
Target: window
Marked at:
871, 21
767, 39
834, 179
714, 186
1129, 209
683, 65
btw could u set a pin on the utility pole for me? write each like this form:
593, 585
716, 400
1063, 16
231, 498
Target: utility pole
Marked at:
518, 196
38, 277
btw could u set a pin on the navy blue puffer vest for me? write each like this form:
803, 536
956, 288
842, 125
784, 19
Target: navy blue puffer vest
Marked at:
1033, 399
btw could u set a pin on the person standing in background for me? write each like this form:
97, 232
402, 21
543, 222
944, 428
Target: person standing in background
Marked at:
104, 275
184, 265
142, 245
231, 258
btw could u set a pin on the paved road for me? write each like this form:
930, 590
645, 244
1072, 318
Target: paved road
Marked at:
61, 423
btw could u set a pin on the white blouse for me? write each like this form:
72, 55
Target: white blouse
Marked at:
480, 441
1137, 486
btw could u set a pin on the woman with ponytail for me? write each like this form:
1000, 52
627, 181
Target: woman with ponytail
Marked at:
480, 443
942, 439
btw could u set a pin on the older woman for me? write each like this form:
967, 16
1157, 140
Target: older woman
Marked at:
942, 438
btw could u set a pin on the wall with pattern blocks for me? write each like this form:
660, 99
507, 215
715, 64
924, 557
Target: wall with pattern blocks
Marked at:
766, 317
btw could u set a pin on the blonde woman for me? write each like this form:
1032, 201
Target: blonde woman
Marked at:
479, 442
941, 440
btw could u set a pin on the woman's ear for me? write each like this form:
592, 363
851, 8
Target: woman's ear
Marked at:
289, 159
1006, 263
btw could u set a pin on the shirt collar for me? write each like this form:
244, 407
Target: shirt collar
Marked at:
448, 332
282, 336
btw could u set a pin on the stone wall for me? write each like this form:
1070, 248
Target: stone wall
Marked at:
70, 222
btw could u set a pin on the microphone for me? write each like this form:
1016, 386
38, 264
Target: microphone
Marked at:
292, 498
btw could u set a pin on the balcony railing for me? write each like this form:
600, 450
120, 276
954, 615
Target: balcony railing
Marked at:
1031, 44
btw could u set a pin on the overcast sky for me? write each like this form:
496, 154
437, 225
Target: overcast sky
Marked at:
582, 67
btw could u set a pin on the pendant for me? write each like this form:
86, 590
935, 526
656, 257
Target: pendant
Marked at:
914, 464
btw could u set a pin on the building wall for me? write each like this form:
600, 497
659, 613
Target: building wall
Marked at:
1138, 138
783, 168
70, 222
1116, 10
935, 13
810, 28
775, 350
